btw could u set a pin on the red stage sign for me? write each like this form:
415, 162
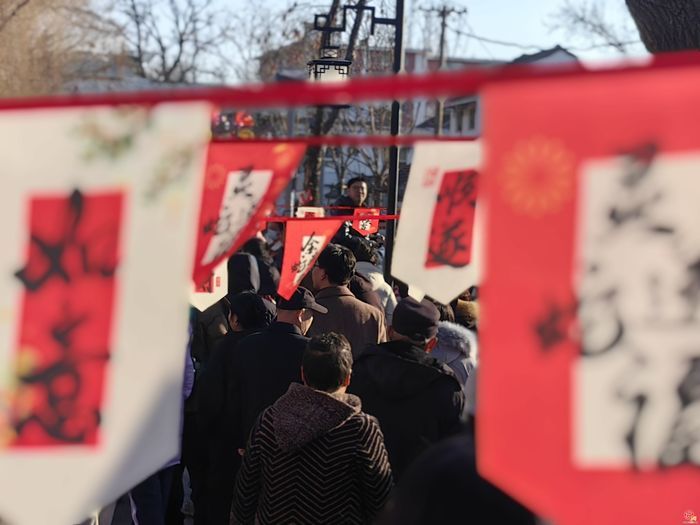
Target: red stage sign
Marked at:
304, 241
241, 185
64, 342
366, 226
589, 344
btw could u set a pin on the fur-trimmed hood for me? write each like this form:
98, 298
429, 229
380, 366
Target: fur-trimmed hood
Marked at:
304, 414
455, 340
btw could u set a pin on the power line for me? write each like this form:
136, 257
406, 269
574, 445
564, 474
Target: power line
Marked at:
529, 47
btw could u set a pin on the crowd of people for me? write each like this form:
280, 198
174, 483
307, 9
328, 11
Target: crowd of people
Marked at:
349, 402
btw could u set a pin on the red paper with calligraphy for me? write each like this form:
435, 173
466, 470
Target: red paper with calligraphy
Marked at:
66, 323
366, 226
452, 228
241, 184
304, 241
588, 345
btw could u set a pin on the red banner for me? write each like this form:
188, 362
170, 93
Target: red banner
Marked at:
241, 185
303, 243
589, 341
64, 342
366, 226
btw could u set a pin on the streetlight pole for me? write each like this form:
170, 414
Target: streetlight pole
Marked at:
393, 197
319, 68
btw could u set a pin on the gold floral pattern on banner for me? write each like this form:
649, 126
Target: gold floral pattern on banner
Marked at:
538, 176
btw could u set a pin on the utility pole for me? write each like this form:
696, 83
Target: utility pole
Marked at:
444, 12
393, 197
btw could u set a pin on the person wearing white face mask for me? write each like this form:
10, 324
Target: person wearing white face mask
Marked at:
274, 237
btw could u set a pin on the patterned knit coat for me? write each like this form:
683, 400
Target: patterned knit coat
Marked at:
313, 458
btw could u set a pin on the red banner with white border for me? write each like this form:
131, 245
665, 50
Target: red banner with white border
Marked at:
366, 226
241, 184
304, 241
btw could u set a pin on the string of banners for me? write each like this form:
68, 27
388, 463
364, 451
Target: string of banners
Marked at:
578, 217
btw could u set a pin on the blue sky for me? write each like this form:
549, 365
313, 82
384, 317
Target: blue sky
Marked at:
520, 21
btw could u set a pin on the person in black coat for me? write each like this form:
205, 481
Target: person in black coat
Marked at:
266, 363
211, 325
209, 328
417, 399
269, 274
443, 486
248, 314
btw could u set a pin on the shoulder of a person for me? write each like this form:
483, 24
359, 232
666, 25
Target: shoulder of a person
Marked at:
250, 342
367, 420
370, 353
448, 380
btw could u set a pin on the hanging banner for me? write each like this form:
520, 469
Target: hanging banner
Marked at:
212, 290
241, 185
366, 226
591, 332
97, 234
437, 243
304, 240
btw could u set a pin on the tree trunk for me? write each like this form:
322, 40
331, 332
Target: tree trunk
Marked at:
667, 25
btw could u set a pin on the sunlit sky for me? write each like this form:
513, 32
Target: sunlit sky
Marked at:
526, 22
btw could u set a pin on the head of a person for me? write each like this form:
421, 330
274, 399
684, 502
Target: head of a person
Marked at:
400, 289
467, 314
327, 363
247, 311
357, 190
274, 233
446, 311
257, 247
243, 273
299, 309
334, 267
363, 250
415, 322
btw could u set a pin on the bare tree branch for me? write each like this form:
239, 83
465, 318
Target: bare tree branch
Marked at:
13, 13
587, 20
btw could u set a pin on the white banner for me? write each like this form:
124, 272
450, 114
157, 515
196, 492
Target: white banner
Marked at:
437, 247
98, 225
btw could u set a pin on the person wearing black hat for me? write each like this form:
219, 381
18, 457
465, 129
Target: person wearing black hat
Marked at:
417, 399
266, 363
248, 313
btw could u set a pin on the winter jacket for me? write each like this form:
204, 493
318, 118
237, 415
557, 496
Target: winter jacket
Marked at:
212, 324
263, 366
444, 487
216, 417
269, 277
360, 322
344, 202
361, 287
454, 348
417, 399
313, 458
379, 285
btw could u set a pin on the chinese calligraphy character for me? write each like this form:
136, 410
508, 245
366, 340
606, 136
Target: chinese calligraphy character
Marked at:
637, 308
71, 267
453, 220
242, 196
